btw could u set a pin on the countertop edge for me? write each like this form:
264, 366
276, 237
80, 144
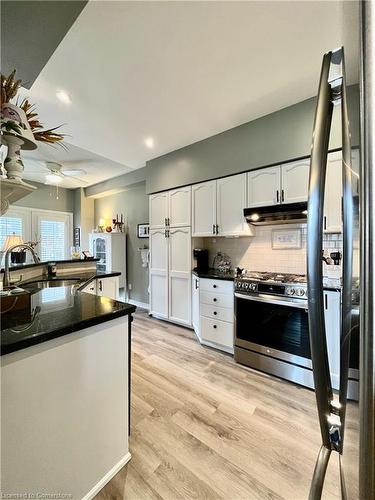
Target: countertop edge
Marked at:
66, 330
212, 275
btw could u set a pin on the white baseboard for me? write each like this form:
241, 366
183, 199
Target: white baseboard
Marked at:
100, 485
143, 305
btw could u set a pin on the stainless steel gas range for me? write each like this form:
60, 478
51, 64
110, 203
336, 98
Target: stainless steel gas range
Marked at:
271, 325
272, 330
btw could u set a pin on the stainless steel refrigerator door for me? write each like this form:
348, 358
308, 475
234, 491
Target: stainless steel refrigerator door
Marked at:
367, 287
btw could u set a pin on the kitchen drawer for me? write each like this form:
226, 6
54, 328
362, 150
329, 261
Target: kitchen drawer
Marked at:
219, 332
219, 286
217, 299
220, 313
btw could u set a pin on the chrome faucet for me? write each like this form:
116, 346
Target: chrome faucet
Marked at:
6, 280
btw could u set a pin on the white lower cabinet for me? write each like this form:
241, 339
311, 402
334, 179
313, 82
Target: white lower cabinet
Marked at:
216, 313
170, 274
108, 287
104, 287
195, 304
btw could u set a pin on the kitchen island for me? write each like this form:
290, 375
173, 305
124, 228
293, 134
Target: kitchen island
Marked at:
65, 394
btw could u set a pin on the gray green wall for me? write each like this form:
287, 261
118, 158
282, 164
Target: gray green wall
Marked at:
44, 198
83, 216
275, 138
133, 203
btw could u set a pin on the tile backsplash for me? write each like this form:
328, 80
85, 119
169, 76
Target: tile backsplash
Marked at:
256, 253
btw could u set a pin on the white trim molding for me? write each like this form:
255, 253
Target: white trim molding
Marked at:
105, 479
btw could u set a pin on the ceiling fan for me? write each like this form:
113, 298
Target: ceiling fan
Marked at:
57, 172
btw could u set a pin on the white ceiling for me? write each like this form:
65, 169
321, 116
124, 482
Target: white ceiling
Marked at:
182, 71
96, 167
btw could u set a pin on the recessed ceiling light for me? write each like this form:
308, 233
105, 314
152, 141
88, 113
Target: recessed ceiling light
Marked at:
63, 96
53, 178
149, 142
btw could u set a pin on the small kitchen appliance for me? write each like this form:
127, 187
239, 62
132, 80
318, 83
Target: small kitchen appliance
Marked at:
201, 255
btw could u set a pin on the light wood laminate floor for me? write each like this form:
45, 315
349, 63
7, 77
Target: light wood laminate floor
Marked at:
203, 427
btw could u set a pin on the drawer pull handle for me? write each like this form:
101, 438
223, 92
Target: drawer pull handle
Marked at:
215, 326
215, 286
215, 300
215, 313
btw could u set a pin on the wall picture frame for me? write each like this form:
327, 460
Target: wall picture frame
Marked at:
77, 236
143, 230
287, 239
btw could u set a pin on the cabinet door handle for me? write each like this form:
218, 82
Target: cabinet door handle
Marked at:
277, 196
217, 228
165, 222
214, 286
215, 300
100, 286
325, 222
214, 326
282, 195
196, 284
165, 233
213, 228
326, 301
215, 313
168, 222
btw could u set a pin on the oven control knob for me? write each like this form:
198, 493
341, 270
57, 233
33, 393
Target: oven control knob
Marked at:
246, 285
300, 292
291, 291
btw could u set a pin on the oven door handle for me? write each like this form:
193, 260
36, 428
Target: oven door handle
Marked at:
301, 304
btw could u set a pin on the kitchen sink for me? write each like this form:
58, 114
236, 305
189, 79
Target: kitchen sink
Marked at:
41, 284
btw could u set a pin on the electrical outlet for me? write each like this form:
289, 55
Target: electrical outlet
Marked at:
130, 286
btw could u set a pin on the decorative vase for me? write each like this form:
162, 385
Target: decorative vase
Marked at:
13, 163
16, 135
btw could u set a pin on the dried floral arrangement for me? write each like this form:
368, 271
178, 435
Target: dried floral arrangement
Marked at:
9, 89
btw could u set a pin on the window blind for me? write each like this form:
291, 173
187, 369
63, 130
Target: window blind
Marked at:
52, 240
9, 225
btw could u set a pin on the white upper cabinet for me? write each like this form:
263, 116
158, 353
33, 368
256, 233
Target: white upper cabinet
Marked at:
204, 208
179, 212
332, 222
158, 210
231, 200
295, 181
263, 187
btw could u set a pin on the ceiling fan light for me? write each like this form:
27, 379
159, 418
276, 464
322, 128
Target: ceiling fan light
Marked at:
53, 178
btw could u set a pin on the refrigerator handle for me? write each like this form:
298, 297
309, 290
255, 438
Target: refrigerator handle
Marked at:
347, 261
318, 343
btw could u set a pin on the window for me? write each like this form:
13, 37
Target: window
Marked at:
10, 225
54, 232
52, 240
52, 229
17, 220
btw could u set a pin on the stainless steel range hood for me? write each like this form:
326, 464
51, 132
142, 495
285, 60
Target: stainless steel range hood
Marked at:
288, 213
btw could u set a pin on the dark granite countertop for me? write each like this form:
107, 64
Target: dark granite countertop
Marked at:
16, 267
214, 274
82, 276
54, 312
